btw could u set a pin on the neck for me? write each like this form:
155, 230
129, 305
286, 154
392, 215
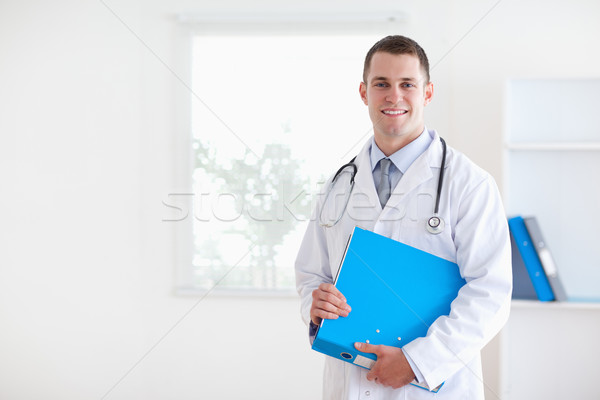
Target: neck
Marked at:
389, 144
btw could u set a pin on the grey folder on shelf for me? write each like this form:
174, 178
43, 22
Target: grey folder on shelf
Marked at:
545, 258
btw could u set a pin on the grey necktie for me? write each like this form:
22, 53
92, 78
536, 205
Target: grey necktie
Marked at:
384, 189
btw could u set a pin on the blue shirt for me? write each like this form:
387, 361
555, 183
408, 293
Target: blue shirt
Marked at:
401, 159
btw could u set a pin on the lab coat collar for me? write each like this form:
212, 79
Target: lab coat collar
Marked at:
420, 171
434, 152
404, 157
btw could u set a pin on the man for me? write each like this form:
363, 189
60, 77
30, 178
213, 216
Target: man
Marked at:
404, 157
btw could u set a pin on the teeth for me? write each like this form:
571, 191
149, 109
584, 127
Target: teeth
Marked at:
394, 112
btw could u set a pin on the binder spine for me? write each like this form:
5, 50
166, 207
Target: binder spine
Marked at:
344, 352
522, 286
530, 258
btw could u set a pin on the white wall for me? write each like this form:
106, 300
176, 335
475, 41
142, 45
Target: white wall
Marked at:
89, 120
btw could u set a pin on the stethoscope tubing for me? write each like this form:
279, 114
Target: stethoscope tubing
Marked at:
440, 178
435, 224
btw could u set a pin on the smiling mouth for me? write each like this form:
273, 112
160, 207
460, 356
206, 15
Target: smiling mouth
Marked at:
394, 112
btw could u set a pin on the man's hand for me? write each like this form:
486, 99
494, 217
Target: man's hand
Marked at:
328, 303
391, 368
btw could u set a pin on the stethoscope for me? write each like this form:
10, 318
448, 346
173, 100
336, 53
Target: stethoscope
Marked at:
435, 224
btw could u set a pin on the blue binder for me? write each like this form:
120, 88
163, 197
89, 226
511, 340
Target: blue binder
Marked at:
522, 287
530, 259
396, 292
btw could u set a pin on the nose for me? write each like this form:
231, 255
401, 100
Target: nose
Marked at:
394, 96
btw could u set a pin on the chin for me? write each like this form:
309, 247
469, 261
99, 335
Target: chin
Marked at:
396, 134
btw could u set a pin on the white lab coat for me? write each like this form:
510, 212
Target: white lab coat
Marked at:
476, 238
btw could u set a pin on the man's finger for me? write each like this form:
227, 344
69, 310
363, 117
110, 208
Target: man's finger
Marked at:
334, 301
325, 315
370, 376
328, 287
366, 347
341, 310
334, 298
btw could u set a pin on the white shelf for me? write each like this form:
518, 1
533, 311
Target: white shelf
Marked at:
549, 350
568, 305
553, 146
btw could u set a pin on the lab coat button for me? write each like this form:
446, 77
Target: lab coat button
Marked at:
367, 393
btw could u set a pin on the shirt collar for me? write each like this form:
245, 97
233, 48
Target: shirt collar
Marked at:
404, 157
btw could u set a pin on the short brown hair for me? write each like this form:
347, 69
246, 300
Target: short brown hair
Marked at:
397, 44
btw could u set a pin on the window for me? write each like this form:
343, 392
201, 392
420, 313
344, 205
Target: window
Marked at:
272, 117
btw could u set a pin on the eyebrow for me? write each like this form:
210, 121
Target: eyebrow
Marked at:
383, 78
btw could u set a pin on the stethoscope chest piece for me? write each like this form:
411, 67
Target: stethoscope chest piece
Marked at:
435, 225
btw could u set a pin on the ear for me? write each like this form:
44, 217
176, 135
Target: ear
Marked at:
428, 93
363, 93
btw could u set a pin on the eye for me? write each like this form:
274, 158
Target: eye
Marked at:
408, 85
380, 84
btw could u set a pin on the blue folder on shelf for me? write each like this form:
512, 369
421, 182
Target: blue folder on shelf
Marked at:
396, 292
522, 287
530, 259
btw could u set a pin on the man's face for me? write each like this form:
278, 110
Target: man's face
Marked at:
396, 94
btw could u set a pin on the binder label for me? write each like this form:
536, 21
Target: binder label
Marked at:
364, 362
